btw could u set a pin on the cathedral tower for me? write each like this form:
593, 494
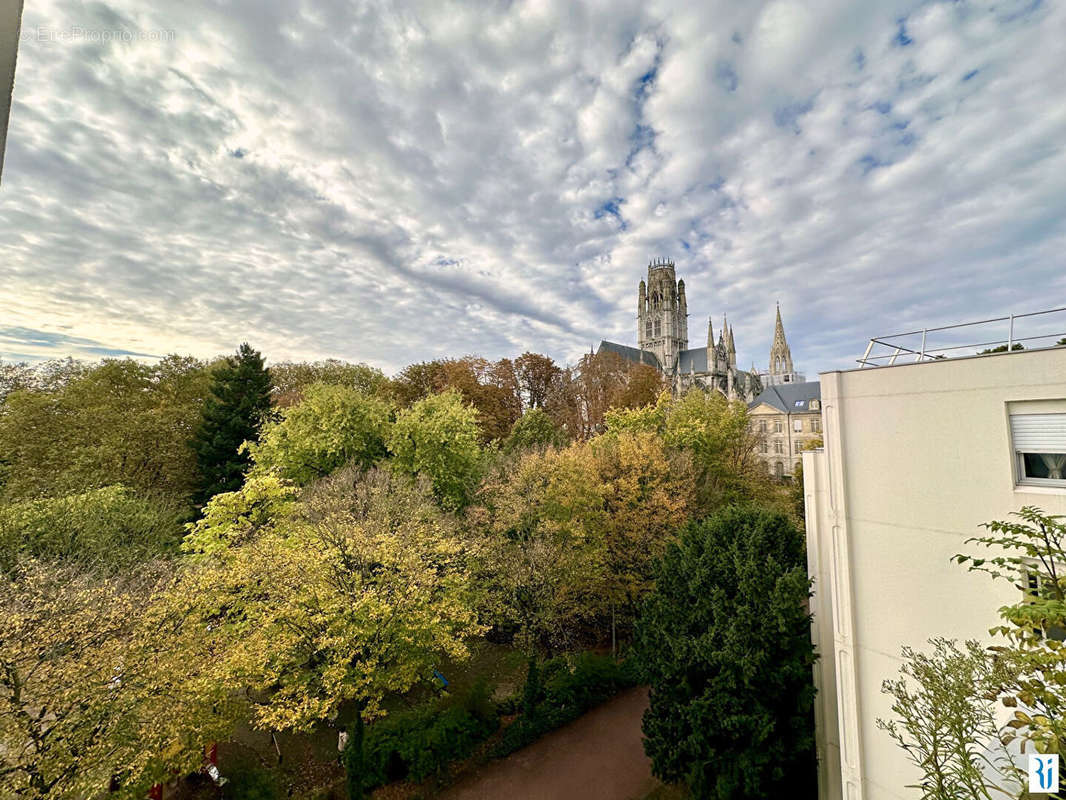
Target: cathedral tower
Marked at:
662, 314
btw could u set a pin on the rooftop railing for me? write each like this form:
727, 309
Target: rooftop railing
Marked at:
947, 341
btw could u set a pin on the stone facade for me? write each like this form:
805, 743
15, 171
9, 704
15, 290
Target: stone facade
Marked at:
788, 417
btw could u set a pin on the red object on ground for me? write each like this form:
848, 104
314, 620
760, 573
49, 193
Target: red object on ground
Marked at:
599, 756
211, 753
156, 792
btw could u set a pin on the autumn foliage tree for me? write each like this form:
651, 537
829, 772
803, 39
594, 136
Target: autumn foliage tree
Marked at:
349, 595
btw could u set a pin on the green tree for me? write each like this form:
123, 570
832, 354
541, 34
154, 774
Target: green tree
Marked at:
237, 407
80, 427
724, 640
109, 527
724, 447
1001, 349
1029, 552
532, 430
93, 688
438, 437
945, 720
332, 426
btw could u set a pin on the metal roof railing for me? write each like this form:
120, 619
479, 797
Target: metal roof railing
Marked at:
906, 344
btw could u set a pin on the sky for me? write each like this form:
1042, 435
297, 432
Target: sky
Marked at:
392, 182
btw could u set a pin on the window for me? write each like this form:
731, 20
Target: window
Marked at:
777, 426
762, 425
797, 425
763, 448
778, 447
799, 447
799, 403
815, 405
658, 328
1040, 448
816, 425
647, 329
779, 469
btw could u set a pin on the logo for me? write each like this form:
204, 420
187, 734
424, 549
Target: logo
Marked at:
1043, 772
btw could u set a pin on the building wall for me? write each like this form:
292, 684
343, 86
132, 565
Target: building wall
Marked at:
916, 457
783, 443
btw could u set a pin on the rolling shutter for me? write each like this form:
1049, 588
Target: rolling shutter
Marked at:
1038, 433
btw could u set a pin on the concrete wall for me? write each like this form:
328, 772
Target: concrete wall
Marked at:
916, 457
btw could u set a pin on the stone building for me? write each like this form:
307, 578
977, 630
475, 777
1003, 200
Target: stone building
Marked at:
789, 417
662, 339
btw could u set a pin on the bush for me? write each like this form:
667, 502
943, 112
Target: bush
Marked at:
247, 780
565, 689
421, 743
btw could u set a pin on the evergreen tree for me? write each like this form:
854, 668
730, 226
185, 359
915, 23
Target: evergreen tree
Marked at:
233, 413
724, 641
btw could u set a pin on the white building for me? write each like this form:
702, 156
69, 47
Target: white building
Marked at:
916, 457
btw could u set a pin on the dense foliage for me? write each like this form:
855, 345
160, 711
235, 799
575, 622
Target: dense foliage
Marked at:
349, 537
330, 427
724, 640
107, 528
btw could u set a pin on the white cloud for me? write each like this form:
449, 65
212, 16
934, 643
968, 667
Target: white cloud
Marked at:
402, 181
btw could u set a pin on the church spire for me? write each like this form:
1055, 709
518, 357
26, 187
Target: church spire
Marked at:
781, 370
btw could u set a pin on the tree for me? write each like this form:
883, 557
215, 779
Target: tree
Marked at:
1061, 341
291, 378
238, 405
1001, 349
91, 690
438, 437
1030, 554
544, 560
104, 528
946, 721
354, 595
722, 442
81, 427
332, 426
537, 376
532, 430
724, 640
647, 495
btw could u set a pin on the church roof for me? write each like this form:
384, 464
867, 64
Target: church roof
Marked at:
629, 353
694, 360
790, 398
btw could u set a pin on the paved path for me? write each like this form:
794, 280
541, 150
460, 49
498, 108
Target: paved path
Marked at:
596, 757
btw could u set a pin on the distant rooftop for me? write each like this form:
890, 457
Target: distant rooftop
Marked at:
790, 398
1035, 330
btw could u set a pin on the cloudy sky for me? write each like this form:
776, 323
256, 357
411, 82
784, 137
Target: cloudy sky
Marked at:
393, 182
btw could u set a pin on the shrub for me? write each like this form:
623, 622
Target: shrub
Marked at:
247, 780
421, 743
565, 689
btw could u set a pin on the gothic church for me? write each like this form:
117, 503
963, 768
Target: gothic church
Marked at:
662, 338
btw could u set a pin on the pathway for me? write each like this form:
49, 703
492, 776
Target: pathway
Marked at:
596, 757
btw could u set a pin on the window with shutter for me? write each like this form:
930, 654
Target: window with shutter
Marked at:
1039, 442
